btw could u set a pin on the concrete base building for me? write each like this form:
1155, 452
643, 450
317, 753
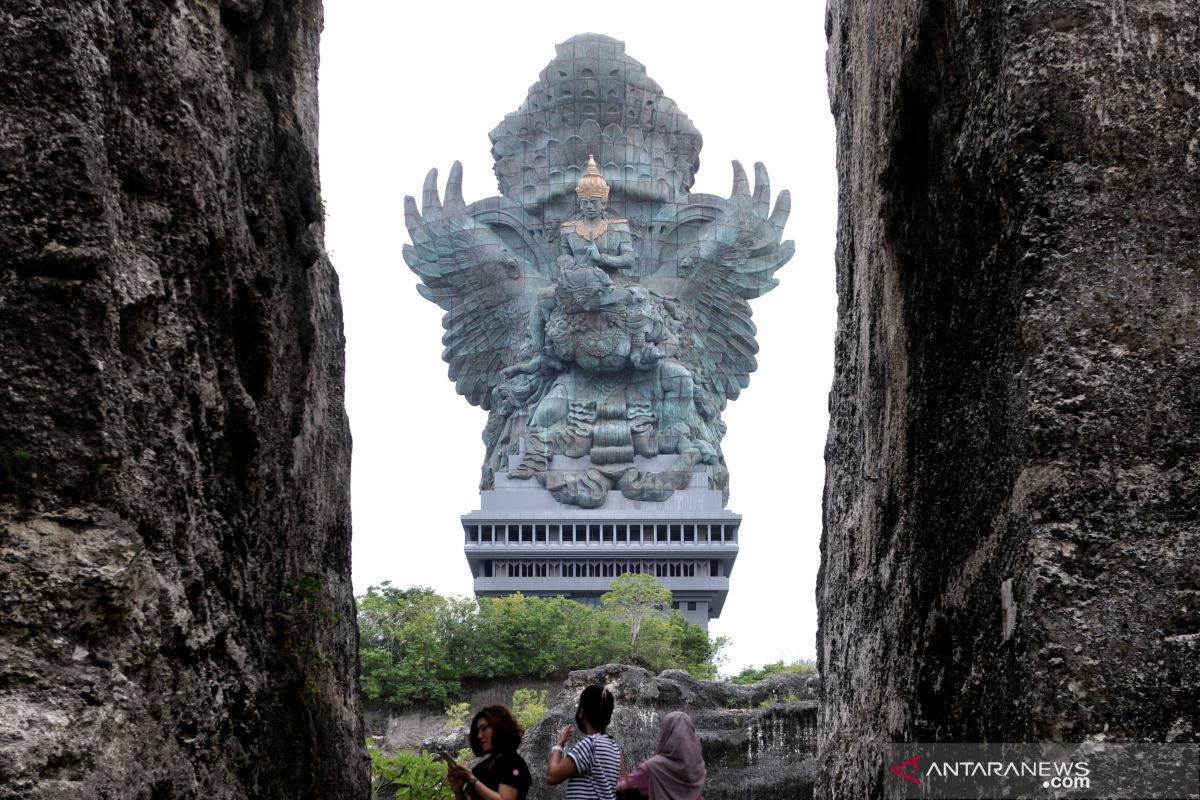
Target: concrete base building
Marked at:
522, 540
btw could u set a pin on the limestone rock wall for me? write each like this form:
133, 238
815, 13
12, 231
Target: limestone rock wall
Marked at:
1010, 526
759, 740
176, 615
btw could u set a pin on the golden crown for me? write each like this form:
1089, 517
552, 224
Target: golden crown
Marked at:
592, 184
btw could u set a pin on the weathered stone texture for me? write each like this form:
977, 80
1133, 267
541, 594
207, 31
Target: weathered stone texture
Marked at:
1015, 404
176, 616
759, 740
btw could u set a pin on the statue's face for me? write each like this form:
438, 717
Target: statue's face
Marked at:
585, 288
592, 207
588, 299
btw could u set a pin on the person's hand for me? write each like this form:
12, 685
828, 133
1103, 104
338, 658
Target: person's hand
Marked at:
564, 735
456, 781
457, 773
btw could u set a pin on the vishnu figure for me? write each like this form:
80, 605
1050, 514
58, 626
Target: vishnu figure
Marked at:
592, 240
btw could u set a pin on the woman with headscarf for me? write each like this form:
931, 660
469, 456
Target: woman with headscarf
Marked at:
676, 770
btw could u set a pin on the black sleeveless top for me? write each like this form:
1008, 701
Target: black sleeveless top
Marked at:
507, 768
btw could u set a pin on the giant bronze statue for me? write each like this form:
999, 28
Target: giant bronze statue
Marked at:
597, 309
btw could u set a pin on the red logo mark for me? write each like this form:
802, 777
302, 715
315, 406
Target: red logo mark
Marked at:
900, 770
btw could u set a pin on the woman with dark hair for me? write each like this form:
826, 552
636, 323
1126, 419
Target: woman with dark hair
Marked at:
676, 770
503, 775
593, 766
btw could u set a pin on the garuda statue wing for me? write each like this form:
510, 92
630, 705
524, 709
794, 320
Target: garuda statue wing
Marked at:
469, 270
733, 259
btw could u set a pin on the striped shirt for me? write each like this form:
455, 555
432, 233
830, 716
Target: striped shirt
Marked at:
597, 768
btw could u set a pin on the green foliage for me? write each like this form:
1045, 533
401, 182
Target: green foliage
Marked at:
306, 588
756, 674
302, 610
636, 597
417, 646
521, 635
699, 653
457, 715
411, 776
14, 462
529, 707
669, 641
404, 649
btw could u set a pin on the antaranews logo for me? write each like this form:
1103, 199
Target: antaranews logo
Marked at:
907, 769
1008, 770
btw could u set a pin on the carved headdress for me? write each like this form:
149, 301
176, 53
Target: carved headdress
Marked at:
592, 183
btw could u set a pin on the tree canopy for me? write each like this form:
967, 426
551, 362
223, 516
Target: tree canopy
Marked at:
634, 597
416, 646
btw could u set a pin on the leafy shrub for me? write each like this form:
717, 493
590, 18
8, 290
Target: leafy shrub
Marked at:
457, 716
408, 776
529, 707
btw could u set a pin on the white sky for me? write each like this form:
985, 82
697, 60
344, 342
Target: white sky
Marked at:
410, 86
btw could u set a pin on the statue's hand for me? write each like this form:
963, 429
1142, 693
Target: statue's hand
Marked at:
551, 363
526, 367
531, 365
594, 253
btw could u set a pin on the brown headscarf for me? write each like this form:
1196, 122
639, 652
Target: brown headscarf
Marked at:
677, 766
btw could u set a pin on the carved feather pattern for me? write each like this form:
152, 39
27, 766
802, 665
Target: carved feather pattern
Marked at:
734, 260
468, 270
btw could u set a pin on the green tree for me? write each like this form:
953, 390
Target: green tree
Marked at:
585, 635
756, 674
522, 632
403, 646
417, 646
698, 653
636, 597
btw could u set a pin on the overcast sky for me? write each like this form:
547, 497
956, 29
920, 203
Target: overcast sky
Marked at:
406, 87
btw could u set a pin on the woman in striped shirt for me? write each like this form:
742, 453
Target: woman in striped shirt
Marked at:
593, 765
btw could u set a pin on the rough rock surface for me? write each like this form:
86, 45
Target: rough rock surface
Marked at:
176, 615
1010, 533
759, 740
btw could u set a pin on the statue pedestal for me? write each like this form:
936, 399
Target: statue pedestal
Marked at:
522, 540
